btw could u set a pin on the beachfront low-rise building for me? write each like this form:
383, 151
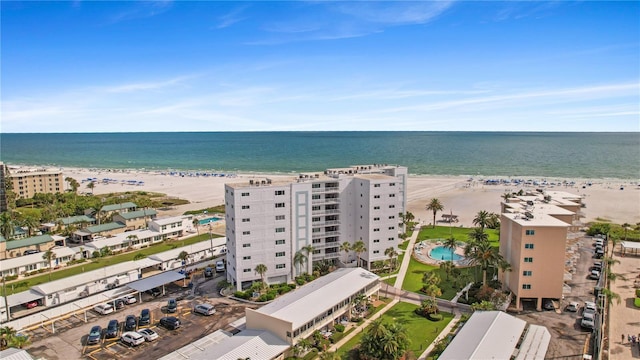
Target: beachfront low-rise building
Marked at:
173, 226
133, 220
270, 222
16, 248
533, 239
27, 182
31, 263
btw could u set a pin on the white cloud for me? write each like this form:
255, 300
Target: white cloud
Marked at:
232, 17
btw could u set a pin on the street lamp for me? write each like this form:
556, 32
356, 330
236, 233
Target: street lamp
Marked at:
210, 241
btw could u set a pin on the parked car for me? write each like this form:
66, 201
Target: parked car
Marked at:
29, 252
30, 304
132, 338
204, 309
547, 304
145, 317
103, 309
129, 299
219, 266
573, 306
172, 306
590, 307
208, 272
130, 323
594, 275
112, 329
119, 304
148, 334
154, 292
170, 322
94, 335
588, 320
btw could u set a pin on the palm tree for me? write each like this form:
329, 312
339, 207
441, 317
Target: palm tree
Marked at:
478, 235
19, 341
610, 295
626, 227
299, 259
358, 247
391, 253
447, 267
506, 196
30, 223
261, 269
139, 256
482, 219
73, 183
346, 247
49, 256
328, 355
435, 205
494, 221
196, 222
7, 332
483, 254
6, 225
384, 341
308, 249
91, 185
183, 256
132, 238
451, 243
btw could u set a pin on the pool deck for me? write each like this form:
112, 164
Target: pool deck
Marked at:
422, 252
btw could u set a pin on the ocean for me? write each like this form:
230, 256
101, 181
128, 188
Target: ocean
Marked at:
516, 154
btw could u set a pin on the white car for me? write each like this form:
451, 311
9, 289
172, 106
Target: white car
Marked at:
573, 306
588, 320
132, 338
204, 309
148, 334
590, 307
129, 299
103, 309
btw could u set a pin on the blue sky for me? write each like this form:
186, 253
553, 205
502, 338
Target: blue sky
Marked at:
320, 65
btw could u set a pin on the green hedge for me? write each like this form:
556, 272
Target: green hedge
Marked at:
637, 292
636, 302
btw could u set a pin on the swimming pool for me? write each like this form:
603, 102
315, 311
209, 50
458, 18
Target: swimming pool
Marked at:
443, 253
209, 220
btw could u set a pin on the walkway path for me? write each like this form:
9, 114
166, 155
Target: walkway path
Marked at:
407, 257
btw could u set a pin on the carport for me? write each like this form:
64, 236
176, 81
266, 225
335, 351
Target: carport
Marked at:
154, 281
631, 246
23, 298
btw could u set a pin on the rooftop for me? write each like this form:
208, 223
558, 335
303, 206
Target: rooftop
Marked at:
116, 207
171, 220
76, 219
138, 214
316, 297
104, 227
34, 240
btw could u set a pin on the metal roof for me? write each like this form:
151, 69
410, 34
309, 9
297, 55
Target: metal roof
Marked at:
76, 219
34, 240
115, 207
247, 344
486, 335
15, 354
155, 281
191, 249
310, 300
23, 297
138, 214
630, 244
170, 220
535, 344
122, 238
25, 260
104, 227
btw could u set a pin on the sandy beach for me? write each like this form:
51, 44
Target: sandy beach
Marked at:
615, 200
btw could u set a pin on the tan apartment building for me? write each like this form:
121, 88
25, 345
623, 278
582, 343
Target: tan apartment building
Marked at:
4, 206
28, 182
533, 239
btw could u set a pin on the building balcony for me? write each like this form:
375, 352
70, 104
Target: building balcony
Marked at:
324, 223
325, 212
325, 234
320, 246
326, 201
321, 190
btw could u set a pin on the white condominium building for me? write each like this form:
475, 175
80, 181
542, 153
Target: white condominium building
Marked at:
269, 221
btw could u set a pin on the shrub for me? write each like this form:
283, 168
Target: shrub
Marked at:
300, 281
242, 295
637, 290
339, 327
636, 302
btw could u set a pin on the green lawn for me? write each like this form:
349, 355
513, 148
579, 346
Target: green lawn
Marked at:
421, 331
23, 284
413, 279
459, 233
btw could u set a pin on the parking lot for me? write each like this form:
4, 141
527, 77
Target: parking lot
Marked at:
567, 336
69, 340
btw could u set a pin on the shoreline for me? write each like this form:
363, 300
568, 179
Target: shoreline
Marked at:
461, 195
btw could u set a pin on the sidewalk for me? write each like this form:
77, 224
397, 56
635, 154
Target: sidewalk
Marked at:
407, 258
361, 327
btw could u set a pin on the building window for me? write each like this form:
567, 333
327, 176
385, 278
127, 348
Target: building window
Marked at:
528, 259
376, 251
315, 197
376, 219
280, 242
279, 205
248, 257
391, 227
316, 186
526, 286
376, 196
279, 192
392, 195
392, 184
246, 245
376, 241
279, 217
280, 230
527, 273
280, 254
391, 238
245, 194
392, 206
391, 217
245, 207
246, 270
528, 246
375, 207
529, 232
376, 230
246, 233
376, 185
246, 220
280, 266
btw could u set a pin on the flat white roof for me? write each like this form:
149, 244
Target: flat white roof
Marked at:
630, 245
191, 249
23, 297
90, 276
155, 281
535, 344
169, 220
537, 220
306, 303
247, 344
15, 354
120, 238
486, 335
16, 262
